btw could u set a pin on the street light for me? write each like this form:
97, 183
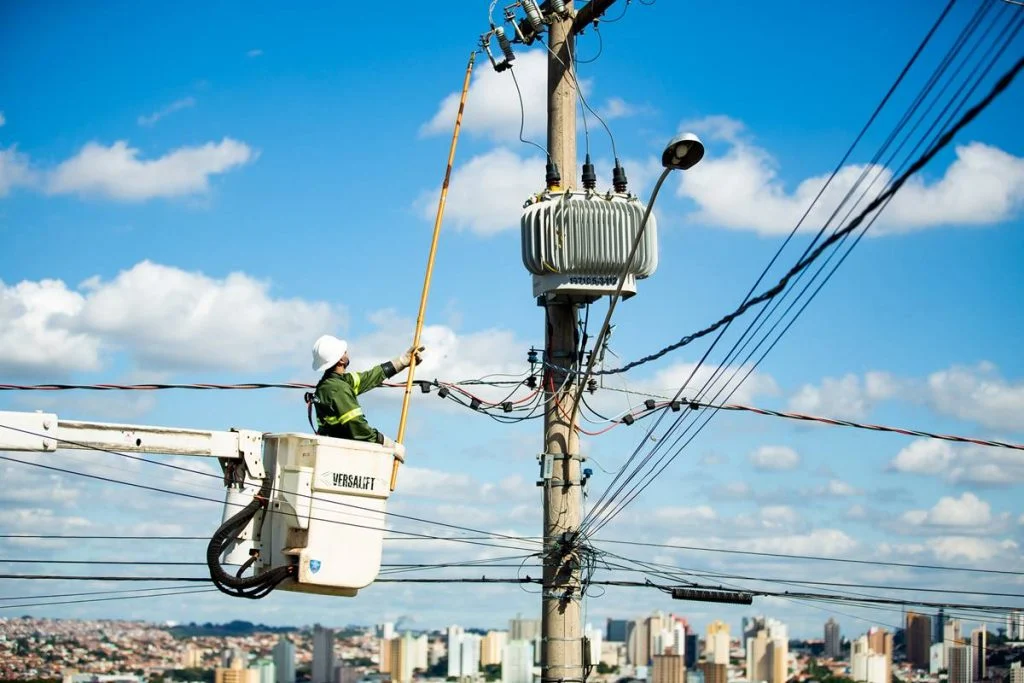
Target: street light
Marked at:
683, 152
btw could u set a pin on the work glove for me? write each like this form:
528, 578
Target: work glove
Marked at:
397, 448
405, 360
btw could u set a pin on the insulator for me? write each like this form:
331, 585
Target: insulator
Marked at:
558, 6
506, 46
531, 356
589, 175
425, 387
442, 392
628, 419
592, 385
533, 14
531, 381
475, 404
507, 406
649, 404
675, 405
619, 181
552, 176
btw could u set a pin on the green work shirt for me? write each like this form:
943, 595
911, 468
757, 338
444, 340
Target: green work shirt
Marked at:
338, 412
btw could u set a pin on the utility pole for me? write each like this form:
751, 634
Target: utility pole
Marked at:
562, 638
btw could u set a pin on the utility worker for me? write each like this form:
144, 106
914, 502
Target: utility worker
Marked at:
337, 407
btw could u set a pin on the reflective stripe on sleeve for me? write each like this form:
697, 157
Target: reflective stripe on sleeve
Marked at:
342, 419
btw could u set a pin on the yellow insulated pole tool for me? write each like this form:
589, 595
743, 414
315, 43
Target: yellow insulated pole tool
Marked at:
430, 262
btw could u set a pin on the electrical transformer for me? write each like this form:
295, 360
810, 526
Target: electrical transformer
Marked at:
575, 244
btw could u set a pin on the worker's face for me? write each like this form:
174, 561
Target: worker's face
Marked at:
343, 363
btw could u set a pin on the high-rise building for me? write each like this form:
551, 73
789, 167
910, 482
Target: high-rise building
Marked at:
455, 634
523, 629
833, 646
638, 649
284, 660
1015, 626
595, 639
767, 650
951, 637
343, 673
236, 674
716, 645
1016, 673
919, 640
517, 664
715, 673
871, 657
421, 652
979, 652
399, 662
859, 652
386, 630
692, 650
323, 655
470, 659
617, 630
267, 669
937, 652
960, 668
492, 647
654, 623
880, 642
192, 657
669, 669
938, 626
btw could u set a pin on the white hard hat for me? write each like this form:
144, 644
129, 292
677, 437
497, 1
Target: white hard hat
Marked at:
327, 351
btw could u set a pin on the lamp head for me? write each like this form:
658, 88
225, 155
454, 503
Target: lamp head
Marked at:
683, 152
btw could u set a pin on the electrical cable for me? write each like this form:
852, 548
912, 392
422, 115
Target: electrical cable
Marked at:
206, 474
220, 502
107, 599
882, 199
522, 117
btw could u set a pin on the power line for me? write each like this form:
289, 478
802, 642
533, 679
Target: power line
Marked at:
816, 558
803, 263
219, 502
120, 597
206, 474
81, 594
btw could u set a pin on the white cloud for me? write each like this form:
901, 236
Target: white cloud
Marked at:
856, 512
847, 397
924, 456
981, 465
742, 189
618, 108
15, 170
486, 194
164, 317
116, 172
177, 105
35, 335
978, 394
174, 318
686, 515
492, 105
966, 511
449, 354
779, 515
774, 458
970, 549
839, 488
3, 120
254, 53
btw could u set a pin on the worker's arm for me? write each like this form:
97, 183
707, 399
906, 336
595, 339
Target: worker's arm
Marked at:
374, 377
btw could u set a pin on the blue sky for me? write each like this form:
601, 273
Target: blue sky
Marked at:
196, 194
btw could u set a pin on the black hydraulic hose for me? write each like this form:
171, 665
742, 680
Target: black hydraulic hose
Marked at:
254, 587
